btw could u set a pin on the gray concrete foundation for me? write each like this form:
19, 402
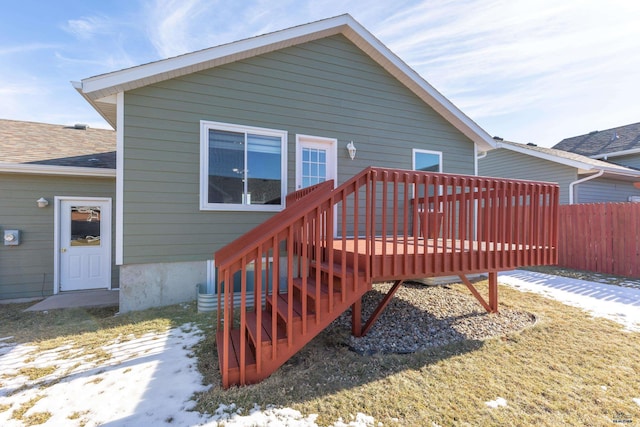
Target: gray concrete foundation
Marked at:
144, 286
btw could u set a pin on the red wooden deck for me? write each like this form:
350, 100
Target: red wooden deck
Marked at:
467, 225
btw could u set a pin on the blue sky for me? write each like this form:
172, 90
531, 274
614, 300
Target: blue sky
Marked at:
529, 71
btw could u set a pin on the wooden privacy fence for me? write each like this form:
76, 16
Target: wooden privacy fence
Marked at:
600, 237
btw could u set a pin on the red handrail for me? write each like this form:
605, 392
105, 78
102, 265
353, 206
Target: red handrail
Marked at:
391, 224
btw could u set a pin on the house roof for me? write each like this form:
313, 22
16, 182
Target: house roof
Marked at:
607, 143
584, 164
101, 90
78, 150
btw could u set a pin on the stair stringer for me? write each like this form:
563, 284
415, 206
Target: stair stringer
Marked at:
284, 352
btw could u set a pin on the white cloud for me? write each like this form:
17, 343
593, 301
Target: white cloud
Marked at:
503, 60
86, 28
24, 48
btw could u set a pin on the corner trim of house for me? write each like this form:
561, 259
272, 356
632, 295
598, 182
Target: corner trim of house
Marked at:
119, 211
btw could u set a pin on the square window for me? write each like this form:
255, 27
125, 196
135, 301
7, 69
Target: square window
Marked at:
242, 167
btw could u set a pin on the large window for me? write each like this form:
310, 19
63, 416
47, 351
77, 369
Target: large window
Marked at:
242, 167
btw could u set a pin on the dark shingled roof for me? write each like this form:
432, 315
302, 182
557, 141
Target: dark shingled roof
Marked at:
561, 154
602, 142
58, 145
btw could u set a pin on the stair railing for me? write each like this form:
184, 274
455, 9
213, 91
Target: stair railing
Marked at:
390, 224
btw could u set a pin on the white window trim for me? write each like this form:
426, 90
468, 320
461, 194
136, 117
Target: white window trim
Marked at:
205, 126
418, 150
320, 142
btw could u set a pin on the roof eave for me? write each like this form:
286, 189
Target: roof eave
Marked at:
616, 153
37, 169
98, 87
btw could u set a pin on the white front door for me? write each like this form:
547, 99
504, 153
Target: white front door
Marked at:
85, 244
316, 160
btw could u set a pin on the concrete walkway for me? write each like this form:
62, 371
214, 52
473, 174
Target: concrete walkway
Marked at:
97, 298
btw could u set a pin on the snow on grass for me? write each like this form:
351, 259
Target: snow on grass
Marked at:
496, 403
613, 302
637, 400
148, 380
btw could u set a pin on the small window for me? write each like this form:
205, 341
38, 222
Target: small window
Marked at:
427, 161
242, 167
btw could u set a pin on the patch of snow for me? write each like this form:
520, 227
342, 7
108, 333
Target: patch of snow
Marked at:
603, 387
143, 384
496, 403
613, 302
149, 380
637, 400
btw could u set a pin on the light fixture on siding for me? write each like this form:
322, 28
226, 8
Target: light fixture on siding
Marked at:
352, 150
42, 202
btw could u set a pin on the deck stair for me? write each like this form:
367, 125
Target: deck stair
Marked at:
311, 262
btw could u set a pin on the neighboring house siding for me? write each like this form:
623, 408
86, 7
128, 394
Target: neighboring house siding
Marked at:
605, 190
632, 161
326, 88
505, 163
27, 270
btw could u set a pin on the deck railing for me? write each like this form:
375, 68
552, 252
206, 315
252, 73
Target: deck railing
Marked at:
387, 224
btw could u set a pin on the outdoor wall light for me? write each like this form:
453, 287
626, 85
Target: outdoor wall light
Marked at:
352, 150
42, 202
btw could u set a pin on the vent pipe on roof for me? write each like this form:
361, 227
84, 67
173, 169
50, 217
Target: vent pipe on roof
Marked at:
80, 126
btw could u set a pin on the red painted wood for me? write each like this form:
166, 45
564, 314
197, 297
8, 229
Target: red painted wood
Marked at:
392, 225
602, 237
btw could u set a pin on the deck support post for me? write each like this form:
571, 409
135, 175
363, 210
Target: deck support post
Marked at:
380, 308
356, 318
492, 305
493, 291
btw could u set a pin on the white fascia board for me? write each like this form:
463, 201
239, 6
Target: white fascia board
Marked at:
105, 85
109, 83
93, 104
617, 153
28, 168
582, 167
399, 69
549, 157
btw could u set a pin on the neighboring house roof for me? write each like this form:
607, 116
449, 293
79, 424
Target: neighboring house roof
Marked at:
612, 142
101, 91
584, 164
56, 149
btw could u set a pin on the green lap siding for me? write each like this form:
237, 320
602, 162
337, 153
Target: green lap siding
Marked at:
326, 88
26, 270
505, 163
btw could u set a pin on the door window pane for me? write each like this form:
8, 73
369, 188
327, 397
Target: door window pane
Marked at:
314, 166
85, 226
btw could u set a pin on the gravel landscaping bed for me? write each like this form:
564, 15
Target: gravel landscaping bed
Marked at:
422, 316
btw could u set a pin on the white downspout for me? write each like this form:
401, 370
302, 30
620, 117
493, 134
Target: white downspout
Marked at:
476, 156
580, 181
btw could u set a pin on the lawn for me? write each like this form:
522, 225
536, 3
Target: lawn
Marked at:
568, 369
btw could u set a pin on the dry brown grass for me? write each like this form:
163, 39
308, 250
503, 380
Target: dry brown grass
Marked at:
569, 369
